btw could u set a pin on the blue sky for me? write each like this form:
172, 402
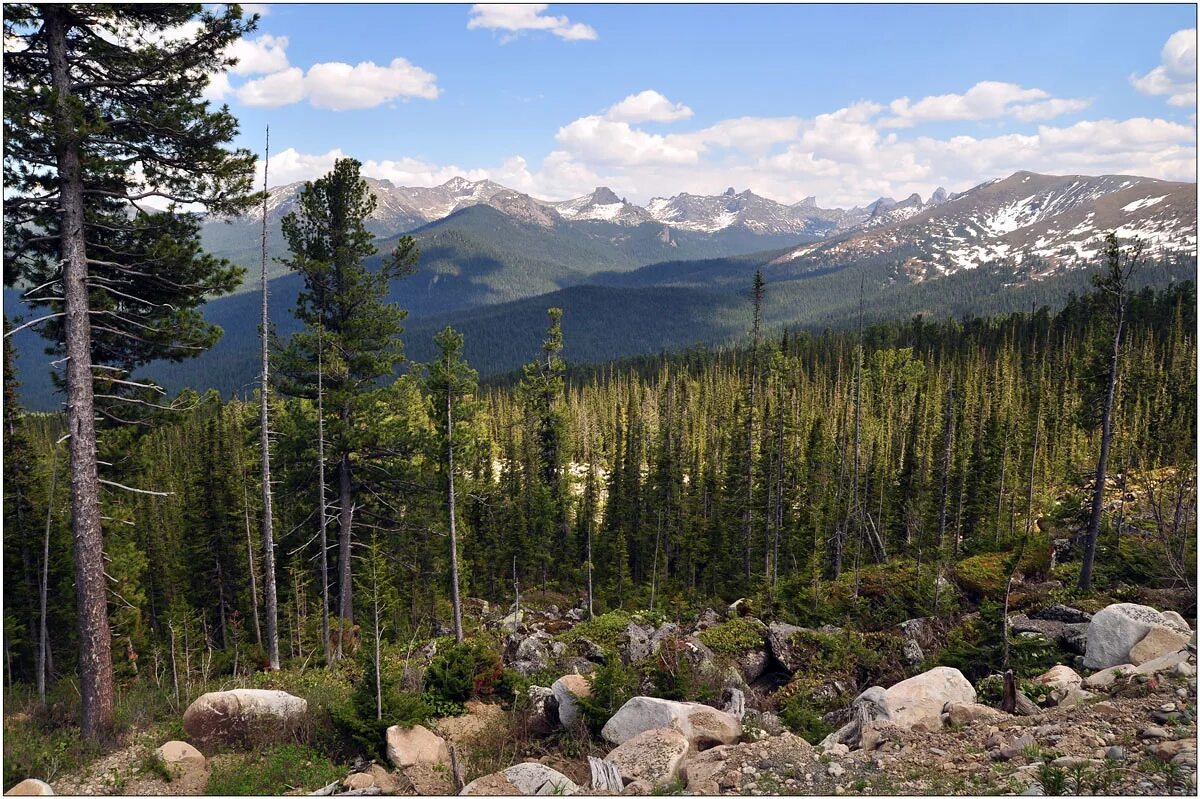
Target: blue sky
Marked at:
789, 101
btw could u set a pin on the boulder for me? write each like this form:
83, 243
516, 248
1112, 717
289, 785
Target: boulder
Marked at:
1156, 643
180, 753
1072, 697
633, 643
523, 779
30, 787
1115, 630
243, 717
962, 714
359, 781
703, 726
1176, 622
1069, 635
655, 756
568, 689
751, 663
920, 699
1060, 677
1106, 677
917, 702
409, 745
532, 653
779, 642
1063, 613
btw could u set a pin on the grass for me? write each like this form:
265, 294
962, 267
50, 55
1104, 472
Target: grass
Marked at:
272, 771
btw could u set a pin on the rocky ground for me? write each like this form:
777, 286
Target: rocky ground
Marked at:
1125, 723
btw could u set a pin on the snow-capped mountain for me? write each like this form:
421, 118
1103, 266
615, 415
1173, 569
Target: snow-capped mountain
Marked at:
708, 214
603, 205
1061, 220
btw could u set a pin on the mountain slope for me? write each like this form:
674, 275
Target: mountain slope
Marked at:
1059, 220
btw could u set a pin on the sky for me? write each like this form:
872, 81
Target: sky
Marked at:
844, 103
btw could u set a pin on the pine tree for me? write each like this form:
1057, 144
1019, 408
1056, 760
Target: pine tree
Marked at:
124, 92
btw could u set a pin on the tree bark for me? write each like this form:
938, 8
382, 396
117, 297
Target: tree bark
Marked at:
345, 518
321, 487
95, 640
44, 587
455, 598
268, 536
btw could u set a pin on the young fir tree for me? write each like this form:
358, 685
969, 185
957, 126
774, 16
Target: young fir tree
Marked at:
452, 384
122, 121
542, 390
347, 317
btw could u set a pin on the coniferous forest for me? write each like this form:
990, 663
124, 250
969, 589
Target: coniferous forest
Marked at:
769, 529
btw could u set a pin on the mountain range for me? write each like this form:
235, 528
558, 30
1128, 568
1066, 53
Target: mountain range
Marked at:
637, 279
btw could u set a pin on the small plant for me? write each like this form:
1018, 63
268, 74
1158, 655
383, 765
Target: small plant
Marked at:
673, 788
153, 764
1052, 779
461, 671
734, 636
271, 772
1079, 778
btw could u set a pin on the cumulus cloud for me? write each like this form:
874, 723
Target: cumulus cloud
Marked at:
987, 99
1175, 76
848, 156
647, 106
514, 18
340, 87
599, 139
260, 56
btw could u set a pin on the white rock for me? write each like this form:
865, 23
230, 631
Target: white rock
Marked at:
702, 725
407, 746
1060, 677
1158, 642
30, 787
655, 756
920, 700
1176, 622
243, 716
534, 779
568, 690
1115, 630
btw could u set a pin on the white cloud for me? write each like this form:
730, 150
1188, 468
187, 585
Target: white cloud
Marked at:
987, 99
513, 18
1175, 76
340, 86
272, 91
260, 56
604, 141
848, 156
647, 106
217, 89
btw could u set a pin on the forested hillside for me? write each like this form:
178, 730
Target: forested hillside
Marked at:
686, 490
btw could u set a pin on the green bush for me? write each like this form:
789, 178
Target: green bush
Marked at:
604, 629
286, 768
734, 636
803, 720
461, 671
613, 685
356, 719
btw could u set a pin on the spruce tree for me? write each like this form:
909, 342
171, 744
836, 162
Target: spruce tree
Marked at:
347, 318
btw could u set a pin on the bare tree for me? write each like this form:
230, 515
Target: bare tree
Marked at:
1114, 285
43, 588
269, 596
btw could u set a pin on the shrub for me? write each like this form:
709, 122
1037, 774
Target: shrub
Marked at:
604, 629
613, 685
286, 768
356, 718
461, 671
803, 720
734, 636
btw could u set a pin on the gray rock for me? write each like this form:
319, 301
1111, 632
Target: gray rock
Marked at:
1116, 753
633, 643
702, 725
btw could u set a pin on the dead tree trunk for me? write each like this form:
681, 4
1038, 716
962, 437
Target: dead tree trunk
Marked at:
454, 595
324, 507
95, 639
265, 445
